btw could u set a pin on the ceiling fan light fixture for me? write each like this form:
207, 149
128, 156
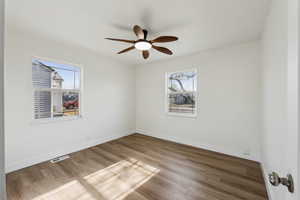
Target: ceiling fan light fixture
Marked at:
143, 45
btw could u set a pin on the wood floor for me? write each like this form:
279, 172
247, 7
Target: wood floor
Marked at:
139, 167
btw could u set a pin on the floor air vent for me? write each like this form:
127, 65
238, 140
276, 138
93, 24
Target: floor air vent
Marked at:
59, 159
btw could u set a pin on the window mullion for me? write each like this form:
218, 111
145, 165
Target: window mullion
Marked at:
52, 111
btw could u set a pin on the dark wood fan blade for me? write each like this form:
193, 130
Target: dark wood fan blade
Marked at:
138, 32
121, 40
163, 39
146, 54
163, 50
125, 50
145, 34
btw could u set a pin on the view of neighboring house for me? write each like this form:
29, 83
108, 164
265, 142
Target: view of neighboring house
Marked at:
45, 77
57, 97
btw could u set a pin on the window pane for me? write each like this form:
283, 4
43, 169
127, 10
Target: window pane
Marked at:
70, 103
182, 82
53, 75
182, 103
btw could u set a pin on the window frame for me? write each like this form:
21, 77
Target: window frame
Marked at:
194, 115
79, 90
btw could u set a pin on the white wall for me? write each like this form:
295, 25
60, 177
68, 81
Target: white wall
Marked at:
280, 94
108, 102
2, 174
228, 105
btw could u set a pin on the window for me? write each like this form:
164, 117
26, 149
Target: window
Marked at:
56, 89
182, 93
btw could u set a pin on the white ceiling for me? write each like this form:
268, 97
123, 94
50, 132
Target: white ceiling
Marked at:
199, 24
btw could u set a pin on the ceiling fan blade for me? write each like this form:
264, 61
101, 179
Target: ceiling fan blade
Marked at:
146, 54
125, 50
121, 40
145, 33
163, 50
163, 39
138, 32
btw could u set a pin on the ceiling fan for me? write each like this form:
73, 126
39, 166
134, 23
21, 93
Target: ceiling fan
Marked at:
144, 45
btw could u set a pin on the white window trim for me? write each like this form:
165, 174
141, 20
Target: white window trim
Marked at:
80, 90
194, 115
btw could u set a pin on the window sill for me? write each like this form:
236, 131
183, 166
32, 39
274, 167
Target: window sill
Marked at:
181, 115
55, 120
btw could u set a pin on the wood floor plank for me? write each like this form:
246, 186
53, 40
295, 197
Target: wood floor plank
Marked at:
139, 167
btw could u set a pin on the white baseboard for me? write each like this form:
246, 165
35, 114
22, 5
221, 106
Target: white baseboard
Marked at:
13, 166
26, 162
209, 147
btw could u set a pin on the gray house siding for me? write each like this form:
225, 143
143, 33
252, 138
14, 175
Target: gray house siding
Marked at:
41, 78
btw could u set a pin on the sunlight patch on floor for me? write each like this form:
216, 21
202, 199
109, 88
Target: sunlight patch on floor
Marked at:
70, 191
112, 183
121, 179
